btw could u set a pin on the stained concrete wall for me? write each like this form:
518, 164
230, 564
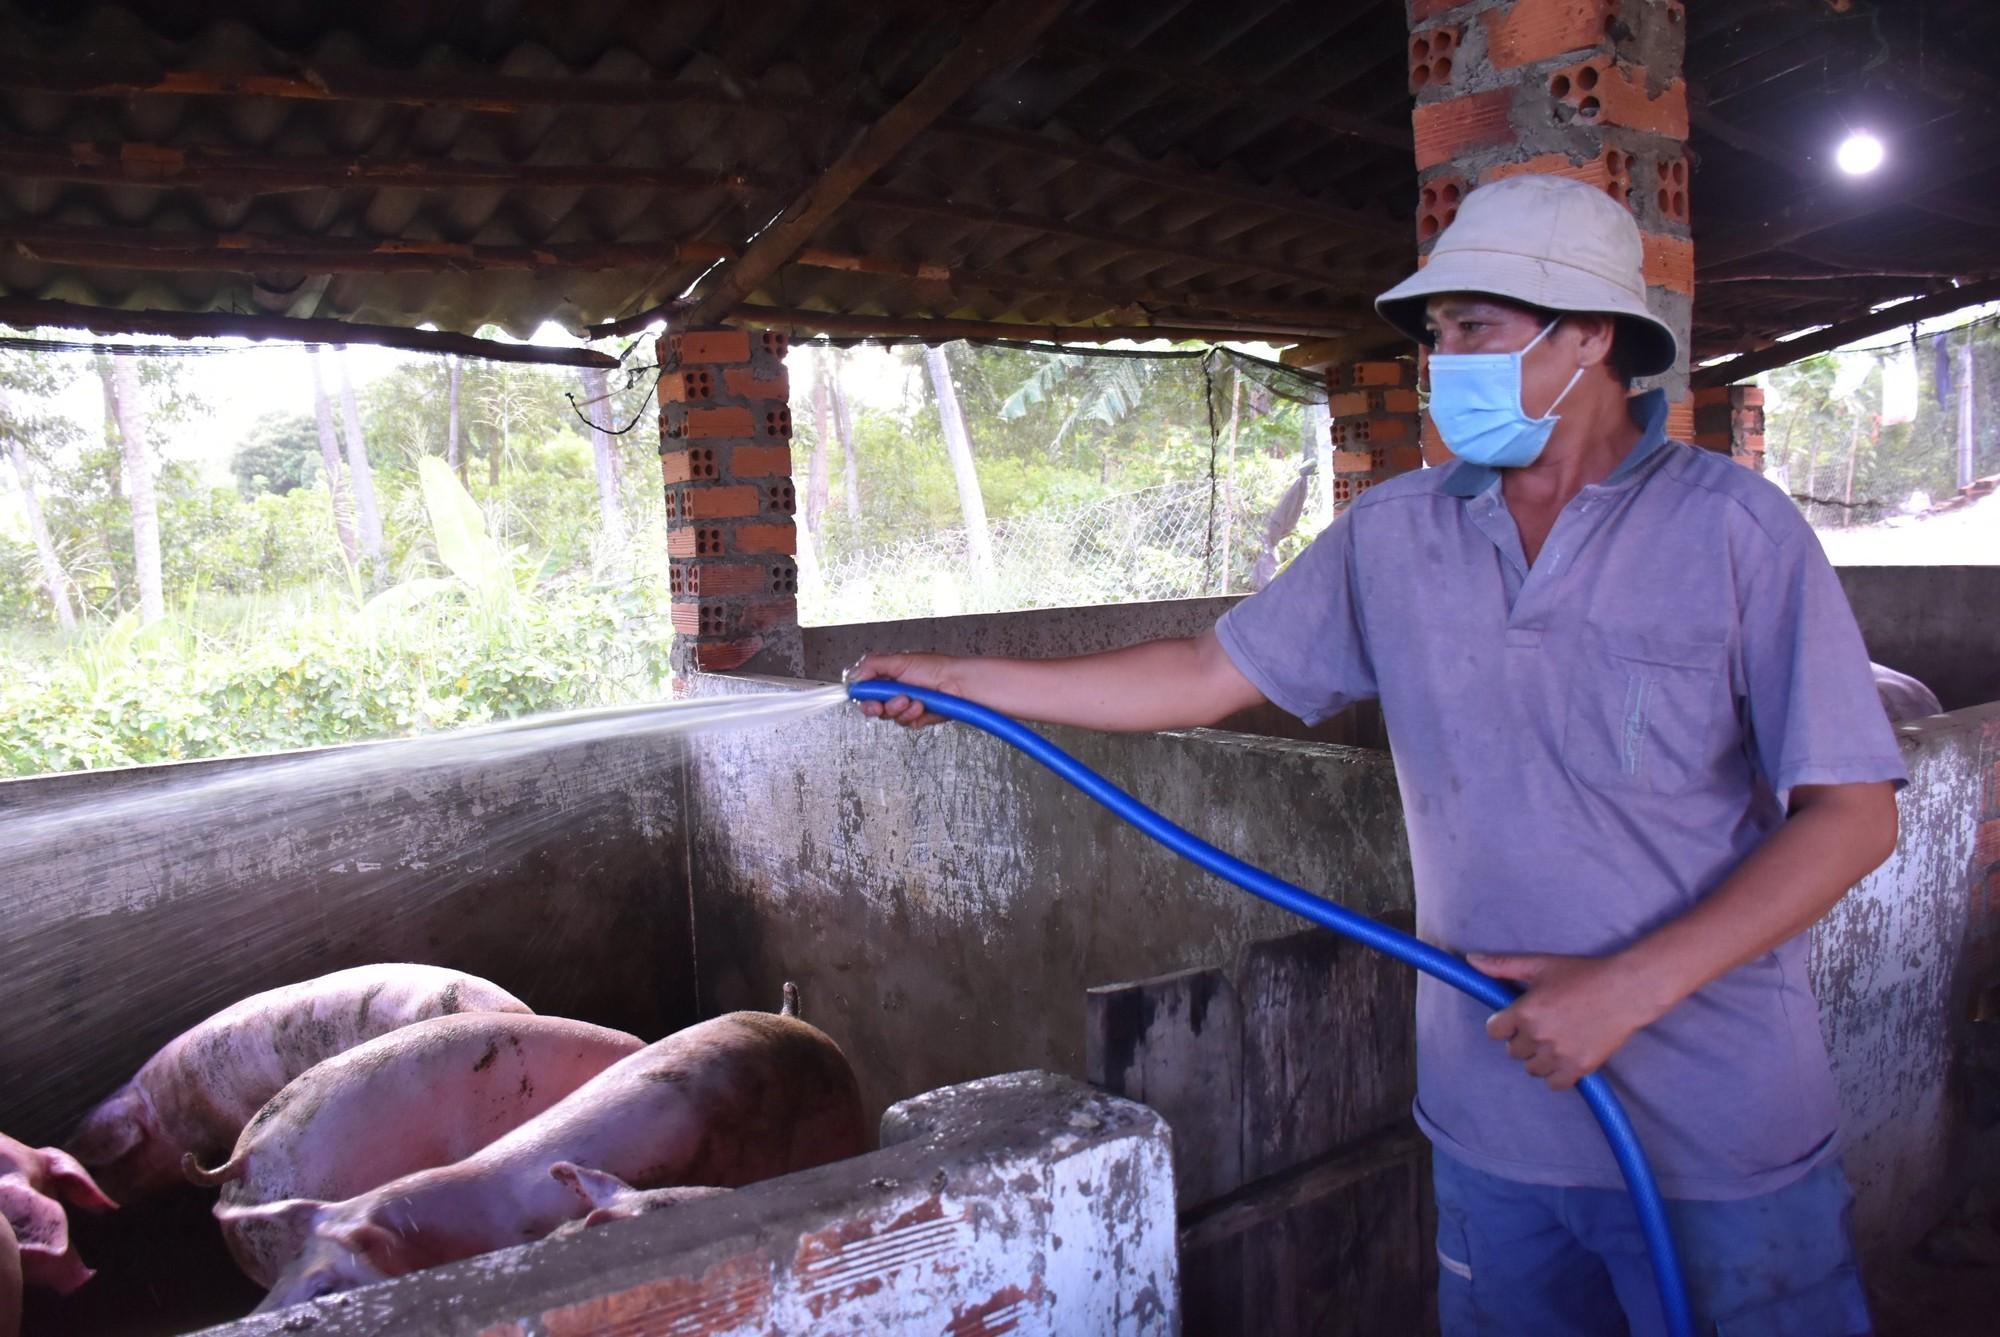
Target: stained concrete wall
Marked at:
137, 902
1897, 966
943, 902
1939, 624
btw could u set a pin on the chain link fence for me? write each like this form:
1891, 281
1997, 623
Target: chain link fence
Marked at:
1163, 542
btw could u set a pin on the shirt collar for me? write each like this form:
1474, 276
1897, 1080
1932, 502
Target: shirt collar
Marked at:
1649, 414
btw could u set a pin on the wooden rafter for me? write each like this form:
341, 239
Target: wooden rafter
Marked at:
233, 172
32, 313
263, 253
939, 331
1846, 332
1208, 184
503, 94
1123, 240
997, 39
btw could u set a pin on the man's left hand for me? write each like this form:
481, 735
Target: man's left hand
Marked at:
1575, 1014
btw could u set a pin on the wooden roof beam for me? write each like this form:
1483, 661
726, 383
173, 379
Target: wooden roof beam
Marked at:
1362, 221
254, 253
1783, 354
945, 330
33, 313
1000, 36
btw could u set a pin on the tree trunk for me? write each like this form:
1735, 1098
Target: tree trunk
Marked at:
452, 457
816, 470
53, 577
128, 413
843, 426
361, 473
1229, 479
1847, 485
336, 486
1812, 473
1967, 438
499, 446
604, 454
958, 444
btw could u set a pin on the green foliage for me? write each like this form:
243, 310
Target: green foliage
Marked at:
307, 670
281, 454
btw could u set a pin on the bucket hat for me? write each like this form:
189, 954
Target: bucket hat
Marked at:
1547, 241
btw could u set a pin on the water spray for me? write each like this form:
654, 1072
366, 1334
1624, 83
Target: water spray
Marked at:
1594, 1089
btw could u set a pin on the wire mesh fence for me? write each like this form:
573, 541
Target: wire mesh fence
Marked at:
1162, 542
1083, 478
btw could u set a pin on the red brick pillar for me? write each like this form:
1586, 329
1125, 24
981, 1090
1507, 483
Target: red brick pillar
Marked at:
726, 455
1729, 419
1589, 89
1373, 407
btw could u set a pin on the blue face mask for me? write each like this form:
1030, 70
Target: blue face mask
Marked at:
1476, 404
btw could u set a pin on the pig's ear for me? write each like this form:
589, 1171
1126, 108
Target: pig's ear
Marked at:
72, 1183
595, 1187
110, 1130
376, 1244
37, 1219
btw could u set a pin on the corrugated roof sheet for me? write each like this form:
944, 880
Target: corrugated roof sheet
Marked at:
1154, 161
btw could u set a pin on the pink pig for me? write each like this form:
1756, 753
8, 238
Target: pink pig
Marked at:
10, 1282
745, 1097
429, 1094
196, 1094
31, 1182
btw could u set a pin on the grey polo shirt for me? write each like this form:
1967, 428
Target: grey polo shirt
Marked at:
1585, 749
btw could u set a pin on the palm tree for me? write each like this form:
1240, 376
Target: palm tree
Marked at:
958, 445
361, 473
125, 419
336, 487
16, 430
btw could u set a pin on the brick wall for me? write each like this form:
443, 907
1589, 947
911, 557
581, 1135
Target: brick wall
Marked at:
1589, 89
1729, 419
1374, 424
726, 459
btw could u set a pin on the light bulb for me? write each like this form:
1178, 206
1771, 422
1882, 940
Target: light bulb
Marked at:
1860, 153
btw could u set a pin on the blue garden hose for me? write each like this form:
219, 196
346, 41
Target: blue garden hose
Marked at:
1596, 1092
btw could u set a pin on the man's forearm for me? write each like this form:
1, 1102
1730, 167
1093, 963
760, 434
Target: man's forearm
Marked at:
1794, 878
1172, 684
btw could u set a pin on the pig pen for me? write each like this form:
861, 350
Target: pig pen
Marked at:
977, 937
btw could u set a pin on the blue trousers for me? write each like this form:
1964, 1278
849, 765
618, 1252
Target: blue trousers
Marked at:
1525, 1260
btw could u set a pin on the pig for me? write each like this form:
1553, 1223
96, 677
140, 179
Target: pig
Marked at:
34, 1184
609, 1198
728, 1102
1903, 697
428, 1094
197, 1092
10, 1282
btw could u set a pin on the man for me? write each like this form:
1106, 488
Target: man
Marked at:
1640, 753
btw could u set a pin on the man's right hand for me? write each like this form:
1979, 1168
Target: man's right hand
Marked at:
918, 670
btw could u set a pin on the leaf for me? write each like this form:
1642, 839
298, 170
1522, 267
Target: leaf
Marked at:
459, 531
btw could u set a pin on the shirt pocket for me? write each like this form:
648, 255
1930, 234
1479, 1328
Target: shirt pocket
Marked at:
1648, 714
